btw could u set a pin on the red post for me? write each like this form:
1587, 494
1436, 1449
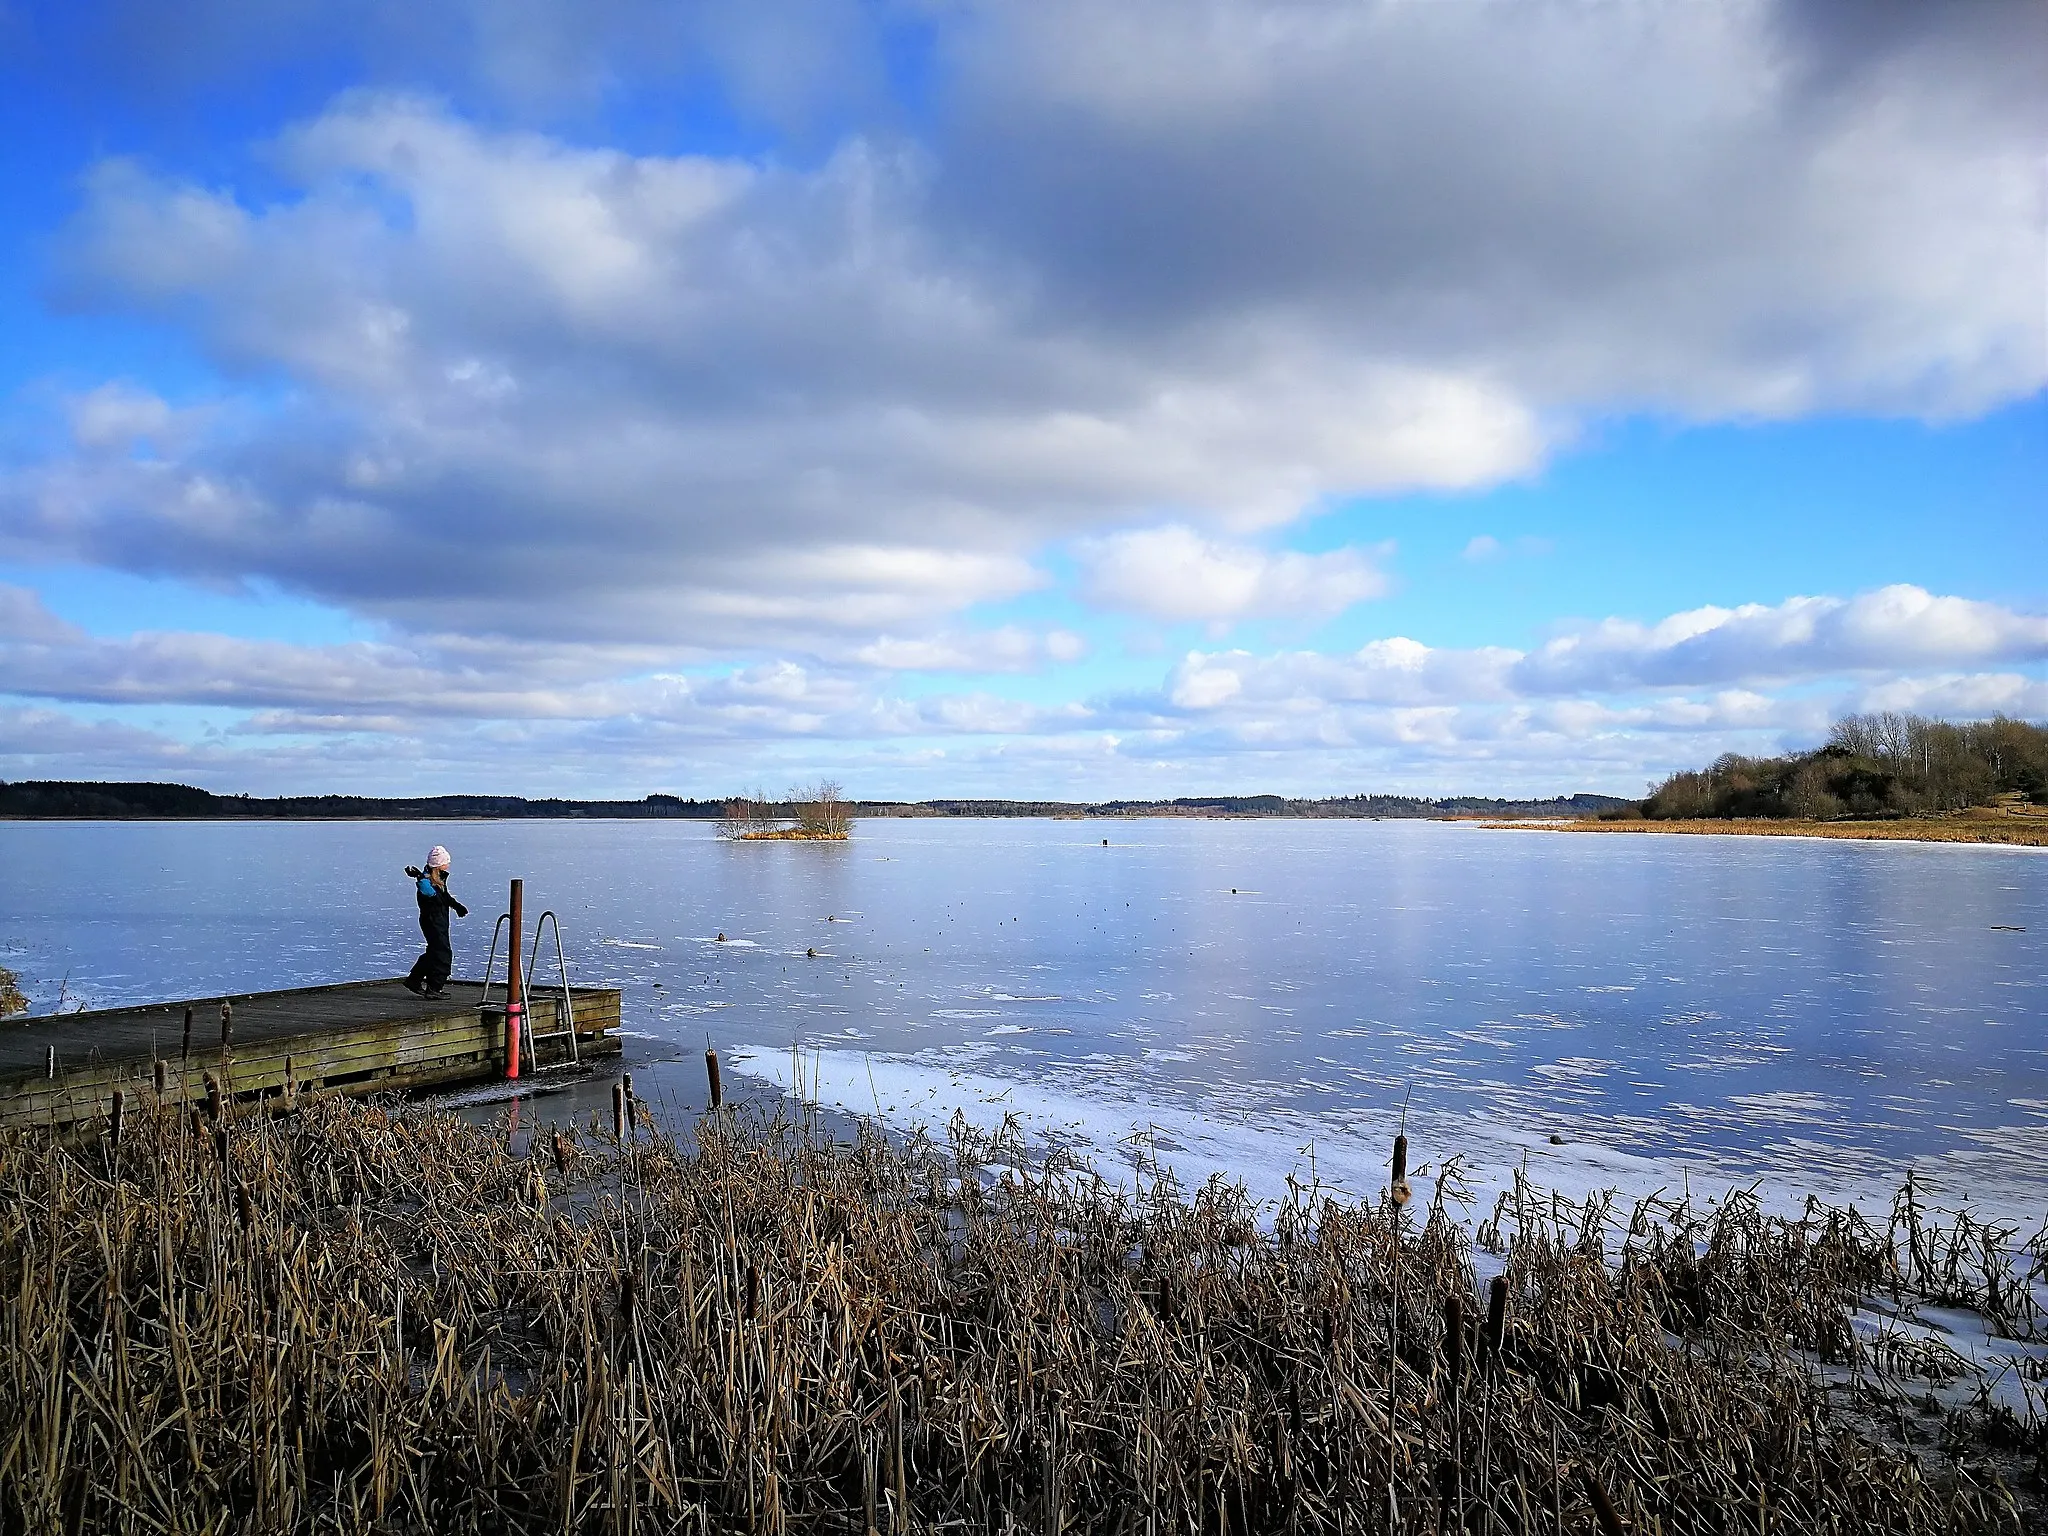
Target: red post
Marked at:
515, 989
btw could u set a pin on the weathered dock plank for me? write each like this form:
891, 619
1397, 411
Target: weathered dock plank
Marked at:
356, 1037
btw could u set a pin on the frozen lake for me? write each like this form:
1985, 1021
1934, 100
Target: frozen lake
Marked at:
1242, 995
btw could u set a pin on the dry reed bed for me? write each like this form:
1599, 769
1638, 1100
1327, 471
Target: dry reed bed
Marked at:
350, 1317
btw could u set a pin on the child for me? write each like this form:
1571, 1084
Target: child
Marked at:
429, 977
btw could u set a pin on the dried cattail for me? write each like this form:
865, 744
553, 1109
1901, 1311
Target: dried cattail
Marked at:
160, 1075
1496, 1320
185, 1047
227, 1023
711, 1073
114, 1122
213, 1098
629, 1298
1654, 1401
947, 1360
1611, 1523
618, 1112
1400, 1159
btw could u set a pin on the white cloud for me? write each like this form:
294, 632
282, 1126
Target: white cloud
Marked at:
1174, 573
704, 401
1483, 546
1010, 648
1744, 208
1151, 264
1960, 695
486, 707
25, 617
1898, 627
120, 415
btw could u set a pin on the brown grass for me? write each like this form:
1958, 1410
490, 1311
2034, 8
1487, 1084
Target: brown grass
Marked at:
342, 1318
791, 835
2020, 831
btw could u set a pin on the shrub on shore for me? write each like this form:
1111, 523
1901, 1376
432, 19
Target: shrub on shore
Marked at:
1871, 766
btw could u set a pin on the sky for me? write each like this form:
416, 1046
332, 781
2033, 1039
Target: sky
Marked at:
1033, 398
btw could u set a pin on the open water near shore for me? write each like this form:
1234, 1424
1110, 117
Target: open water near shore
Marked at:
1257, 997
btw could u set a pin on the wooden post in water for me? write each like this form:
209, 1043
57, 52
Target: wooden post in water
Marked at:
515, 991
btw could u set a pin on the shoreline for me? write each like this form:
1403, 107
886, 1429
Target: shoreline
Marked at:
1269, 1147
2019, 832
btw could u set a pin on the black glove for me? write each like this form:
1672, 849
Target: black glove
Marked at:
412, 872
460, 909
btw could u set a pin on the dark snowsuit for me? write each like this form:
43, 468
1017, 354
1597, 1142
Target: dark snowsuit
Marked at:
431, 970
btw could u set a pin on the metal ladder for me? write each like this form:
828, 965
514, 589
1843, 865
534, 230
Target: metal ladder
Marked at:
565, 1005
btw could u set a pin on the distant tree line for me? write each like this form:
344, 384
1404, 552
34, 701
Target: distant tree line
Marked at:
67, 801
1875, 765
819, 808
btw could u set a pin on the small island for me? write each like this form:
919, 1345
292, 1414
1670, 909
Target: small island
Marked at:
820, 813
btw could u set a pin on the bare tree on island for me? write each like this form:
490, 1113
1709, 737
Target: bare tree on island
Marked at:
818, 812
822, 810
747, 816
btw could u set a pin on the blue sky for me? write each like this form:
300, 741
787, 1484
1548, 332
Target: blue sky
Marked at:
1006, 398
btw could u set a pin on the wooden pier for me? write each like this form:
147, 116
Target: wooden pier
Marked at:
359, 1037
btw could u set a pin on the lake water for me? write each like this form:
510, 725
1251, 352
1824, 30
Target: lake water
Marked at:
1248, 996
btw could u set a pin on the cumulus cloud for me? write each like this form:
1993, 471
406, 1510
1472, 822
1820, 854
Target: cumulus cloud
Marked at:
1011, 648
708, 401
1895, 628
1959, 695
1734, 208
1695, 681
1901, 630
25, 617
466, 685
1174, 573
1210, 267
